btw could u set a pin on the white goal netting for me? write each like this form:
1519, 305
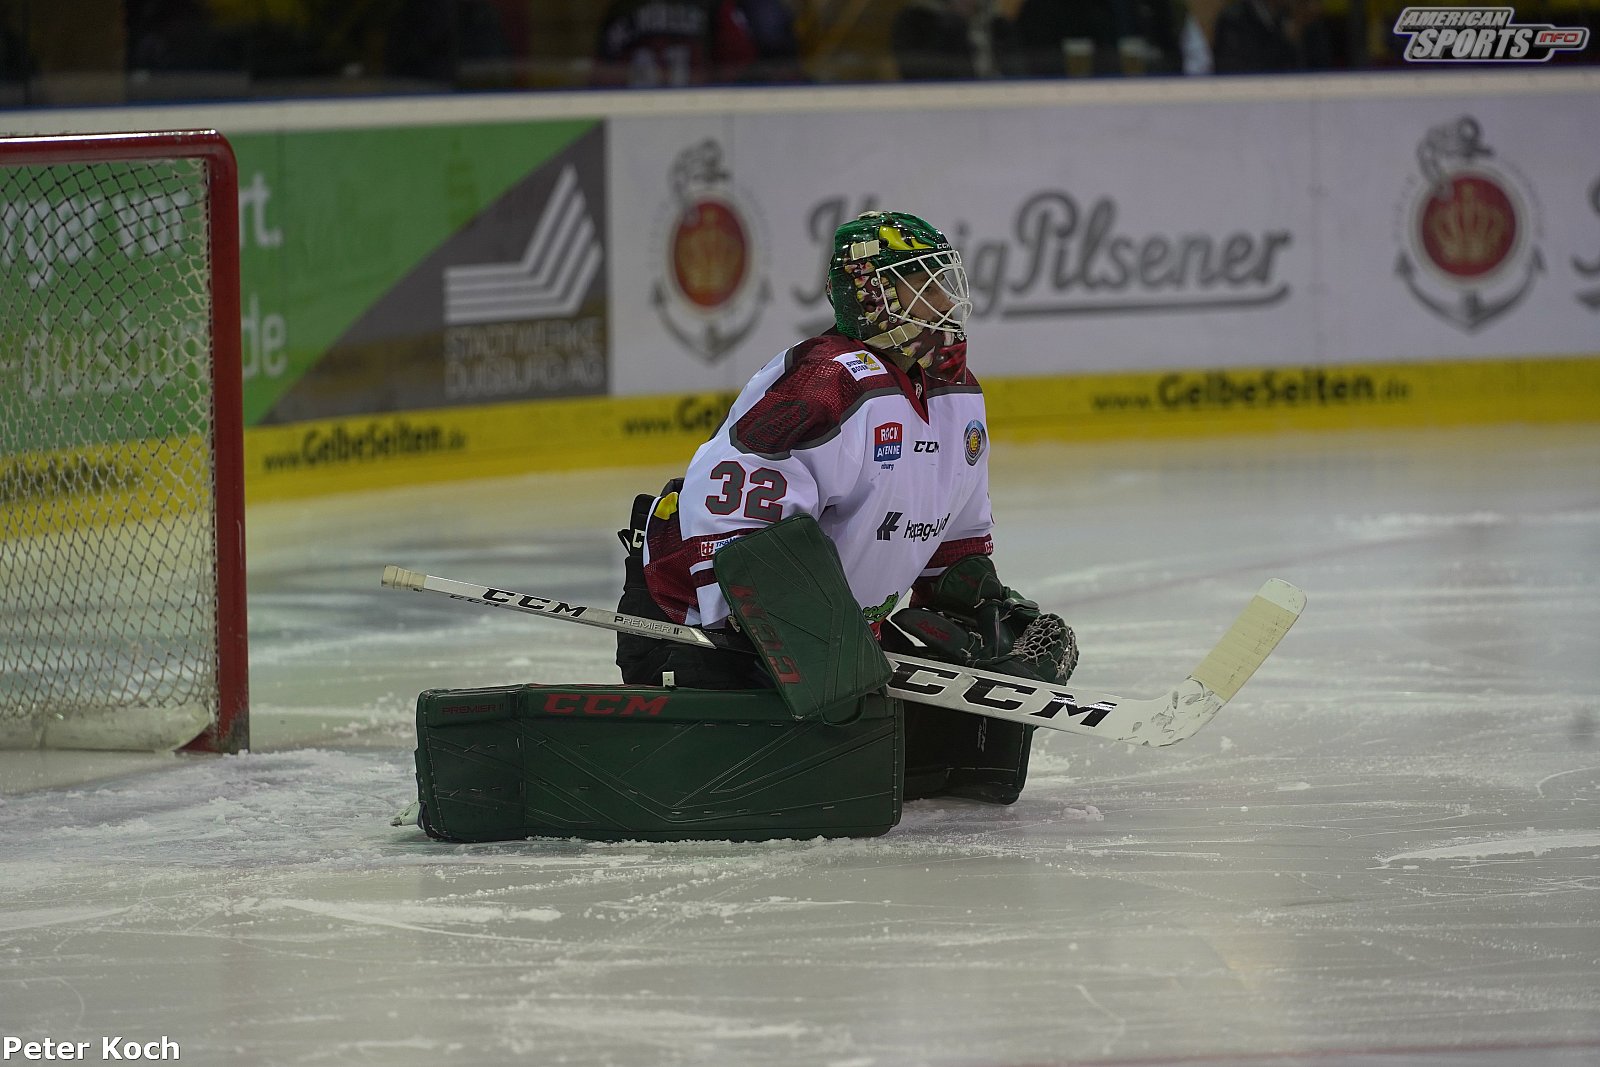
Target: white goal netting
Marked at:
109, 568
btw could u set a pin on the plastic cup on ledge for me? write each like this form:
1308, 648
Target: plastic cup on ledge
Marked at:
1077, 53
1134, 55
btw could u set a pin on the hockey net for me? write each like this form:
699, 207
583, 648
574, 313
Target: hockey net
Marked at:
121, 505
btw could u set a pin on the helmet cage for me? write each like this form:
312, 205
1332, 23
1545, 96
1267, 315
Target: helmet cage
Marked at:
936, 281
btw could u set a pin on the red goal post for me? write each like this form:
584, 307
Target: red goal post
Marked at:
122, 580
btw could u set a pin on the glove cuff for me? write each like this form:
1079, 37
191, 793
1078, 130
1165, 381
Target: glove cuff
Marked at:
961, 587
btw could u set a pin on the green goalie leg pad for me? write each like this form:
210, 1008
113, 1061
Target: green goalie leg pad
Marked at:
622, 762
787, 589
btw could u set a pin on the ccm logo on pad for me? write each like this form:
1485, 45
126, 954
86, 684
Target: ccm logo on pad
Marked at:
623, 704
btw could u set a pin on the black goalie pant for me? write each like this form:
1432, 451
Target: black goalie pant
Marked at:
644, 660
954, 754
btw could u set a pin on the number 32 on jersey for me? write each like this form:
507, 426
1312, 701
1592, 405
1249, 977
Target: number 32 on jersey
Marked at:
756, 494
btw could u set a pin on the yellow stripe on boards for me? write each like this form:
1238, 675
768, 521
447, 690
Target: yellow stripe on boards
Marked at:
396, 449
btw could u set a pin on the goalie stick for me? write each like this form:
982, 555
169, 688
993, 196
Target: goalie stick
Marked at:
1162, 720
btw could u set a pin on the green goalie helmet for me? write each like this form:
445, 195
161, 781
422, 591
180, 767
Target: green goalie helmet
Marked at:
894, 280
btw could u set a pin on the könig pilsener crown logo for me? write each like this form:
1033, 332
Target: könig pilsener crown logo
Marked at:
712, 288
1468, 229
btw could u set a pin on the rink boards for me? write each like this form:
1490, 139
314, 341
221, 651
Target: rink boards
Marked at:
436, 288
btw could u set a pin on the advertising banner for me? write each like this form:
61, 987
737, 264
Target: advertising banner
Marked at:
106, 400
399, 268
1085, 249
1462, 227
1118, 238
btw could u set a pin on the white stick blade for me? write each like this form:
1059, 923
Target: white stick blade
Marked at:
1251, 639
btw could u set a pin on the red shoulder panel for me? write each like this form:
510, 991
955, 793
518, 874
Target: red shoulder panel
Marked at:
807, 404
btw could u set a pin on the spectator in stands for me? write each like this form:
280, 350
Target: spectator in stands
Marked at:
1042, 28
461, 44
932, 40
1157, 23
695, 42
14, 62
1270, 37
182, 35
845, 40
772, 28
1199, 25
1310, 25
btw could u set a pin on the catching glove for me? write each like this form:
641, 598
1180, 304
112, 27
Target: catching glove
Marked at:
966, 616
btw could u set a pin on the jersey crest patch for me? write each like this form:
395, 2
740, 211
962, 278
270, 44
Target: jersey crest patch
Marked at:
975, 438
887, 439
861, 364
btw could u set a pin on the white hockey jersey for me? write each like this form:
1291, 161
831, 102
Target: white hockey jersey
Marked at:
896, 474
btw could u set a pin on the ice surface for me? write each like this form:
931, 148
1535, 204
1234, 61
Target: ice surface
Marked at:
1383, 852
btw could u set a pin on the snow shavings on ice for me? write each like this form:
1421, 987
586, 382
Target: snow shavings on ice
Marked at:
1528, 844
